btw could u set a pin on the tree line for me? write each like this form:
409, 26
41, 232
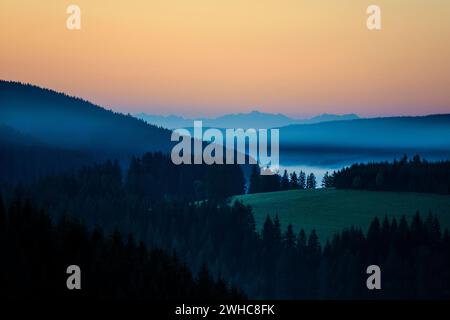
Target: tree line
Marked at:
276, 182
413, 175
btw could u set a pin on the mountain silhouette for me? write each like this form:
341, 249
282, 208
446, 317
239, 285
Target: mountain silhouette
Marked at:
59, 120
254, 119
429, 133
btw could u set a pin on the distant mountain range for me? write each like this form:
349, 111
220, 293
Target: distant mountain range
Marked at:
34, 116
254, 119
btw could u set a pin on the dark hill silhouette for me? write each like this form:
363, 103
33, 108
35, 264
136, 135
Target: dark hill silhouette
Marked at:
59, 120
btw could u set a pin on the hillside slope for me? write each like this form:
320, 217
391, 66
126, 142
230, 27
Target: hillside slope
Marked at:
60, 120
329, 210
23, 158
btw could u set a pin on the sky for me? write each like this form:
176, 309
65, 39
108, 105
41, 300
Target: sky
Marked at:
211, 57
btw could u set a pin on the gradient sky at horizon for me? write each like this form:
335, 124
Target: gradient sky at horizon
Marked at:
206, 58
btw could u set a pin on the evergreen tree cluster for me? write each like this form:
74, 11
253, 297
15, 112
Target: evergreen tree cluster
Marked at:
102, 194
36, 253
327, 180
151, 177
271, 263
275, 264
414, 259
269, 183
154, 176
414, 175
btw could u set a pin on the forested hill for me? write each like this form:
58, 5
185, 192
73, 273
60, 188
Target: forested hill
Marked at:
59, 120
422, 133
24, 158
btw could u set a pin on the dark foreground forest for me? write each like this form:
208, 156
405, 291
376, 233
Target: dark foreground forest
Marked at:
414, 256
36, 253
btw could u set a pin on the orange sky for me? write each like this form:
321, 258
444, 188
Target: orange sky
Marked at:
210, 57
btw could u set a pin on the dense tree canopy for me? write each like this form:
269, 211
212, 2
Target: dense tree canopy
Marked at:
415, 175
414, 256
36, 253
269, 183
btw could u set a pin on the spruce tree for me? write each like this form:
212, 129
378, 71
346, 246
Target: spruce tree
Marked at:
327, 180
294, 183
277, 229
289, 237
268, 231
311, 181
285, 181
301, 241
302, 180
255, 180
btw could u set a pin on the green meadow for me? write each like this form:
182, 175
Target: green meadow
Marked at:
329, 210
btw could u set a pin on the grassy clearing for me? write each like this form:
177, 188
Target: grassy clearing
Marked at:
330, 210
